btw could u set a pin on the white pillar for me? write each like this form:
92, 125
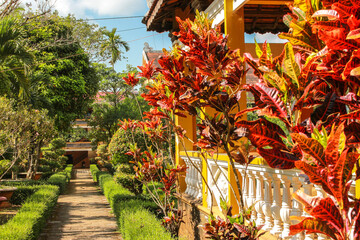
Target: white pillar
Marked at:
260, 220
269, 221
285, 206
276, 206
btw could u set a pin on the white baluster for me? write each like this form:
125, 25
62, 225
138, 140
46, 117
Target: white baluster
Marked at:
285, 206
198, 181
267, 202
192, 180
259, 198
245, 186
187, 176
276, 206
296, 206
252, 194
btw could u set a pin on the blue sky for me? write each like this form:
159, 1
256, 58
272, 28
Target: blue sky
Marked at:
89, 9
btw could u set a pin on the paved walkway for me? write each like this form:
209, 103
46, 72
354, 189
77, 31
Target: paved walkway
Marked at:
82, 213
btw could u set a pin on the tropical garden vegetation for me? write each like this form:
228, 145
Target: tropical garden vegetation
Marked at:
306, 100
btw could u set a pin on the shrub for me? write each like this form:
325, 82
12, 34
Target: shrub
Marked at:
129, 181
139, 223
133, 212
94, 170
31, 218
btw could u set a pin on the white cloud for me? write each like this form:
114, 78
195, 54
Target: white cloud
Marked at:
84, 8
269, 38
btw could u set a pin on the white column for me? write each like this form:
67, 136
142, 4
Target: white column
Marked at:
252, 194
187, 176
198, 181
267, 202
260, 220
276, 206
245, 186
285, 206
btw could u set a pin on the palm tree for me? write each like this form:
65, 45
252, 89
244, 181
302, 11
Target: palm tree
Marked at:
15, 58
112, 46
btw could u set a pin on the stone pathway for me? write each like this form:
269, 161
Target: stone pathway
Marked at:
82, 213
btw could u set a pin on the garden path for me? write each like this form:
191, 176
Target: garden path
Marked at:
81, 213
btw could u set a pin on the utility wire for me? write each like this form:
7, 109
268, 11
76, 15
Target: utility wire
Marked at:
109, 18
129, 29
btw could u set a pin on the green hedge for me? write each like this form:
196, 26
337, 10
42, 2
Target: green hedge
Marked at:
94, 170
134, 214
61, 179
31, 218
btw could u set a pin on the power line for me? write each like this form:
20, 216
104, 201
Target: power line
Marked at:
130, 29
109, 18
143, 37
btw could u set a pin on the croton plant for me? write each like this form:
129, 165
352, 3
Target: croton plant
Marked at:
307, 100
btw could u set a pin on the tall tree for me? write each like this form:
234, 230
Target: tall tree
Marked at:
15, 57
63, 81
113, 46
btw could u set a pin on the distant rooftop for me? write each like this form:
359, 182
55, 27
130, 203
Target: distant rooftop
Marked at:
151, 54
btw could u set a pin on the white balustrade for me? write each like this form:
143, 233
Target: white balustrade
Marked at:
267, 188
193, 178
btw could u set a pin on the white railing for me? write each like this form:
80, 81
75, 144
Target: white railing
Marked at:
270, 190
193, 178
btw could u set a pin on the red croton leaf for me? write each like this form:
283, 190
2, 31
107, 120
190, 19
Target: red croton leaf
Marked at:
278, 158
131, 79
323, 209
313, 225
332, 148
147, 70
311, 147
336, 39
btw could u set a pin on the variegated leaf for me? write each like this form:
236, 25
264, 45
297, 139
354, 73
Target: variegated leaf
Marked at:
311, 147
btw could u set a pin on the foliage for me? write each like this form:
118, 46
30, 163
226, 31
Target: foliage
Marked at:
15, 56
61, 179
233, 227
53, 154
129, 181
119, 145
31, 218
64, 82
131, 211
94, 170
313, 95
113, 46
23, 131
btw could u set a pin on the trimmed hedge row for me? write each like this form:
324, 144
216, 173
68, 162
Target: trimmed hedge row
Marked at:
94, 170
31, 218
61, 179
134, 214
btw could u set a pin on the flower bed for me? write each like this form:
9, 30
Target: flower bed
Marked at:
134, 213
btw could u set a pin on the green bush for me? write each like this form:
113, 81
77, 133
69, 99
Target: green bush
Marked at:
134, 213
22, 193
31, 218
129, 181
140, 224
94, 170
